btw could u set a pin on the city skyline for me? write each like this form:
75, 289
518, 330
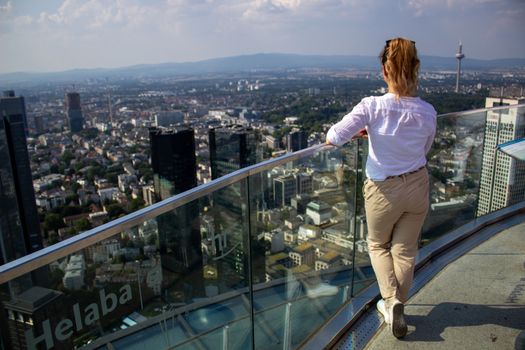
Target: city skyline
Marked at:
66, 34
255, 243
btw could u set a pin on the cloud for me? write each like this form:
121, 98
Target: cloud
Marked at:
7, 8
95, 14
259, 9
269, 11
74, 33
22, 21
421, 7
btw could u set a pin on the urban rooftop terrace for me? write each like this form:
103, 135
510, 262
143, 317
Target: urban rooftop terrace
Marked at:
246, 293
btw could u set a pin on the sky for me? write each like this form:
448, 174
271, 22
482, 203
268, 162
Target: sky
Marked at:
56, 35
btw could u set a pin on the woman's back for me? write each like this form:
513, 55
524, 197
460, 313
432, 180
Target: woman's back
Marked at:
400, 132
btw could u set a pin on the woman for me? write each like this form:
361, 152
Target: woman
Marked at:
400, 128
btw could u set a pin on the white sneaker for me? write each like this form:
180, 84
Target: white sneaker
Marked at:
321, 290
381, 307
398, 325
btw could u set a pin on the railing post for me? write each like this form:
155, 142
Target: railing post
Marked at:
225, 332
355, 203
250, 257
345, 294
287, 342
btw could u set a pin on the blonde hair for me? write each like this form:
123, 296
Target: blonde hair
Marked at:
401, 64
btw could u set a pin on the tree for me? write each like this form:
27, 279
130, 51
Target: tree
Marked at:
70, 210
72, 198
52, 239
115, 210
136, 204
75, 186
67, 157
55, 278
52, 222
82, 225
112, 177
89, 133
152, 239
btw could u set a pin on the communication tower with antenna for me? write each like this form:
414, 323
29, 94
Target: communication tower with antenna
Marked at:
459, 57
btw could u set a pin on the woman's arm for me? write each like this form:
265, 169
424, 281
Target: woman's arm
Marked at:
351, 124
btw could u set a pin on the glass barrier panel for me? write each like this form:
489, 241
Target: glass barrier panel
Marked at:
468, 176
302, 242
161, 283
454, 167
363, 273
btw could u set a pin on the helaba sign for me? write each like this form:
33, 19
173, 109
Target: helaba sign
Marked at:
91, 314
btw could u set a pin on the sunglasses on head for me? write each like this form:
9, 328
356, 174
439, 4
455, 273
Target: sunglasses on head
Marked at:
384, 58
388, 42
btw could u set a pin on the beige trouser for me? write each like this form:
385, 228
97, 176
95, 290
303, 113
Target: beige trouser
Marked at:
395, 211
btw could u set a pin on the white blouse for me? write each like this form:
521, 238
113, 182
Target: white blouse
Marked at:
400, 133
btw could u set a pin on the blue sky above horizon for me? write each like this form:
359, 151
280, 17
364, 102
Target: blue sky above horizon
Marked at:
55, 35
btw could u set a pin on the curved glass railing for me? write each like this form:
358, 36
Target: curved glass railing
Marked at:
260, 258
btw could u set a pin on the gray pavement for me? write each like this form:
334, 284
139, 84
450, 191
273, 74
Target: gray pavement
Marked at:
477, 302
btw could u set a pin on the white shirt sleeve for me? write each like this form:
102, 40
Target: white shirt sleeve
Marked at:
343, 131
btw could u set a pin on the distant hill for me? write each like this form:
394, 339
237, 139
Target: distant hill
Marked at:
245, 63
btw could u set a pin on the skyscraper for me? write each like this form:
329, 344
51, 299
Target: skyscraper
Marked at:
174, 171
284, 189
19, 223
31, 317
296, 140
502, 177
74, 112
231, 148
14, 105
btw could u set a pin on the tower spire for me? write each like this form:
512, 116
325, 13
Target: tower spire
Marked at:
459, 56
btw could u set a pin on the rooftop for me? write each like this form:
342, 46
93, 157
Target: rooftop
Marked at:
477, 302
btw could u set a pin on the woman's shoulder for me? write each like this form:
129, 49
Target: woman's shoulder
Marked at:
427, 106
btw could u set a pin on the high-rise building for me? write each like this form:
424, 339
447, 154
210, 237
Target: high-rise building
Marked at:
19, 223
231, 148
15, 105
284, 189
296, 140
32, 317
304, 183
174, 171
40, 125
502, 177
173, 161
74, 112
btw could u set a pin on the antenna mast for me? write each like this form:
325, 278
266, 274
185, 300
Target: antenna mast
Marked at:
459, 57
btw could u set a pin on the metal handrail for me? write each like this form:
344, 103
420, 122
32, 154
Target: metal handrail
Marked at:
479, 110
33, 261
30, 262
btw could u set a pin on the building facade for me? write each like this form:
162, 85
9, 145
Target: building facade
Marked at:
19, 223
502, 177
74, 112
296, 140
174, 167
231, 148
